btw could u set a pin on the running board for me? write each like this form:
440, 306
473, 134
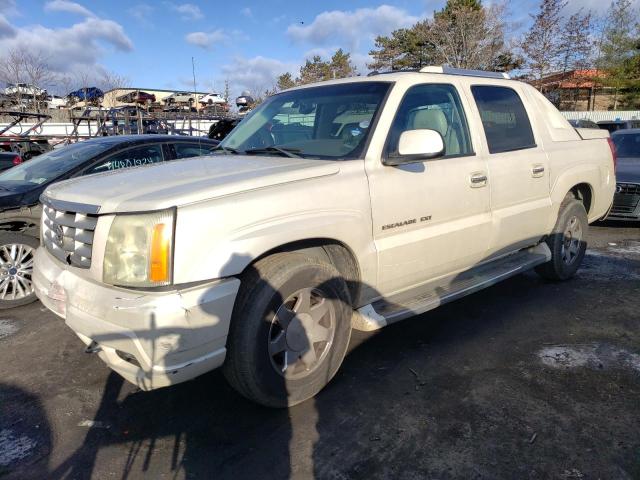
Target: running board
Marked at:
427, 297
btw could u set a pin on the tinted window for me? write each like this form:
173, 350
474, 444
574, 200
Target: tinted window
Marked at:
186, 150
505, 121
433, 107
627, 144
133, 157
55, 163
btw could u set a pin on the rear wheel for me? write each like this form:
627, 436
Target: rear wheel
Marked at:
16, 269
290, 329
567, 242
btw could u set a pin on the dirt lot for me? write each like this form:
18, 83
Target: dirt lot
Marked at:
524, 380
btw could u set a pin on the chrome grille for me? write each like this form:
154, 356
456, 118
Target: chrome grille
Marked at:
626, 198
68, 236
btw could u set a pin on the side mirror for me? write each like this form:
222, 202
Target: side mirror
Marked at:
417, 146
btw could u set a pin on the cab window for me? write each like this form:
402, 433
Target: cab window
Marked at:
504, 119
434, 107
133, 157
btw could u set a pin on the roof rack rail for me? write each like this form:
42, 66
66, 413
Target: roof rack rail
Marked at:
461, 71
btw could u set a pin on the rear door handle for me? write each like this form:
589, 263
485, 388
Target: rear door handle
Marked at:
537, 171
478, 180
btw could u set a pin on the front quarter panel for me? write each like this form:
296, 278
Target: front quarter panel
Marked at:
221, 237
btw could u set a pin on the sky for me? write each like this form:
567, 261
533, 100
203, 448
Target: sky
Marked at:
247, 42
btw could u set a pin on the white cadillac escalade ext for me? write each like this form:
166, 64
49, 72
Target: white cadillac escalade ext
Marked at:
348, 204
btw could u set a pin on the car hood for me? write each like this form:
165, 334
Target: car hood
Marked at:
628, 170
181, 182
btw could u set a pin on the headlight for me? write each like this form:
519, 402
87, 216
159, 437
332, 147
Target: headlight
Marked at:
139, 250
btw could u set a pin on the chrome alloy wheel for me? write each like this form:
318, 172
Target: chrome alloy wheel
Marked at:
572, 241
16, 269
301, 333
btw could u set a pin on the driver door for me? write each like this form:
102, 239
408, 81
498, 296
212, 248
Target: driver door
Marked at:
430, 218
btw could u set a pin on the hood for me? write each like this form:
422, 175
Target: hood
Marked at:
628, 170
181, 182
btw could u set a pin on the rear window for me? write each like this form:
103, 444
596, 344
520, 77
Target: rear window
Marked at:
504, 119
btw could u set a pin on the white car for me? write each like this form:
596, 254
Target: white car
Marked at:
25, 89
212, 99
352, 203
56, 102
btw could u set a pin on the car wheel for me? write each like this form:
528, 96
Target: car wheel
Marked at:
290, 329
567, 242
16, 269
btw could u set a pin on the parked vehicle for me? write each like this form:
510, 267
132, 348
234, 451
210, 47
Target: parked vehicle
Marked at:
21, 187
180, 97
355, 202
9, 160
87, 94
626, 202
56, 102
25, 90
137, 97
583, 123
615, 125
211, 99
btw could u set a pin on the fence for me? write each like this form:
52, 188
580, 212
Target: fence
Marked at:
602, 115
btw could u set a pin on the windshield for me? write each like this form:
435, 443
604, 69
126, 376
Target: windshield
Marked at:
51, 165
627, 144
326, 122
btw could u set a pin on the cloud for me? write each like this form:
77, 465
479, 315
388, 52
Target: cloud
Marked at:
255, 74
351, 28
141, 11
73, 48
8, 8
187, 11
69, 7
6, 30
206, 40
246, 12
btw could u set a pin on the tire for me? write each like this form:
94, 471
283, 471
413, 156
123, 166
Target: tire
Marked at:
266, 333
16, 269
567, 242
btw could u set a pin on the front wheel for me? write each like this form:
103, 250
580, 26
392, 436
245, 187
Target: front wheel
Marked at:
16, 269
290, 329
567, 242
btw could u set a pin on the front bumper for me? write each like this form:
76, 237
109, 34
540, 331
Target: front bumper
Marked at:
626, 202
152, 339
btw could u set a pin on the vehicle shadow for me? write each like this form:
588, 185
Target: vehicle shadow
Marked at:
25, 433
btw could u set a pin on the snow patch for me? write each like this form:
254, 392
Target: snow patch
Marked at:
594, 356
14, 448
7, 328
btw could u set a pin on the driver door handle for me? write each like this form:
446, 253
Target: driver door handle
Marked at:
478, 179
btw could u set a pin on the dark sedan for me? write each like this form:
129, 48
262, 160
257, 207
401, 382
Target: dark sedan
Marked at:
626, 203
9, 160
22, 185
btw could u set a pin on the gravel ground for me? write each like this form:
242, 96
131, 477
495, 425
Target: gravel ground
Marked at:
526, 379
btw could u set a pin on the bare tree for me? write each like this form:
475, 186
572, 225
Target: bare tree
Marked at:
38, 74
110, 82
542, 44
12, 70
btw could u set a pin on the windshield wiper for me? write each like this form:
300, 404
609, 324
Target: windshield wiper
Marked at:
225, 149
289, 152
